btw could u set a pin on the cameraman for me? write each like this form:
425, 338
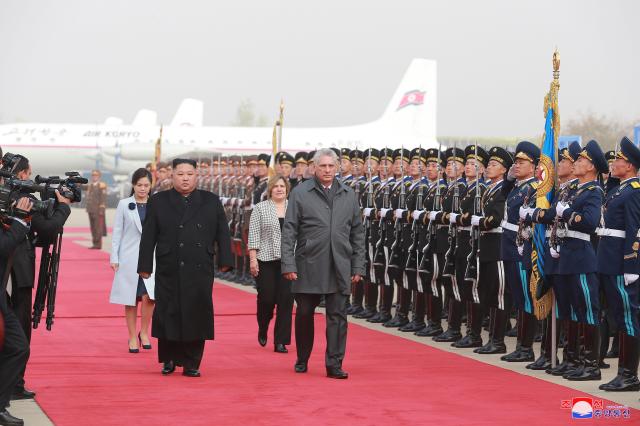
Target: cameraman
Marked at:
43, 230
14, 347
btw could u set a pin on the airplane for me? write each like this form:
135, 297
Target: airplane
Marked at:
409, 119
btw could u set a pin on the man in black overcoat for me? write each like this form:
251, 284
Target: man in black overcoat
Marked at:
183, 226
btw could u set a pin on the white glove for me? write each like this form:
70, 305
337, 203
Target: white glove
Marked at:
475, 220
520, 250
560, 208
223, 200
383, 212
554, 253
367, 212
525, 211
452, 217
630, 278
234, 201
432, 215
416, 214
398, 213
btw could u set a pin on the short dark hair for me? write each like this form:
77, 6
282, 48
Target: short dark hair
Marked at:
179, 161
21, 164
137, 175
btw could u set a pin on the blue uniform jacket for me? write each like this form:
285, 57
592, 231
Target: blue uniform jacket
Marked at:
516, 193
617, 256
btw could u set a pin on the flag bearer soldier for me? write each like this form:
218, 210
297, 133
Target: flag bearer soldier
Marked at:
457, 187
437, 248
618, 264
384, 233
577, 261
411, 238
367, 200
394, 270
301, 162
286, 161
476, 160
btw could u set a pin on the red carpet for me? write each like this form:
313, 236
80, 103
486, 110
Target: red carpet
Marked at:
84, 375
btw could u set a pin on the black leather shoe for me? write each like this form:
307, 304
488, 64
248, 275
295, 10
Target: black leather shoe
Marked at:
191, 372
262, 337
355, 310
512, 332
380, 318
491, 348
337, 373
468, 341
561, 368
624, 382
367, 313
430, 331
412, 327
583, 374
280, 348
448, 336
300, 367
613, 353
6, 419
397, 321
168, 368
522, 355
22, 393
542, 363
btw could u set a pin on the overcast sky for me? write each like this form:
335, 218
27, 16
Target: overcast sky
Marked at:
335, 62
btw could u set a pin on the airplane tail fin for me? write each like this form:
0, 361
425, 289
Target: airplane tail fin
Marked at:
411, 113
190, 113
145, 118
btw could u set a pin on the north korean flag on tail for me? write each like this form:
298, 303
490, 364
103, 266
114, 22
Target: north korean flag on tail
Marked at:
414, 97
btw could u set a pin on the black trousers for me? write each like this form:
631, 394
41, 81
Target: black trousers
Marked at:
274, 292
13, 357
21, 304
336, 330
186, 354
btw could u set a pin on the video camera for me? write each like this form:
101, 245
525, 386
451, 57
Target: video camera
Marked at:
12, 189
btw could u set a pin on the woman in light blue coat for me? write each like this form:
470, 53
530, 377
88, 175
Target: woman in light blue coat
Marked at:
128, 288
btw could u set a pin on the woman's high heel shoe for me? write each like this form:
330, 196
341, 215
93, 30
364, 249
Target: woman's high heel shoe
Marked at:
143, 346
133, 351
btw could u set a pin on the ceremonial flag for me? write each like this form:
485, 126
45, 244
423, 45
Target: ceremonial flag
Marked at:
545, 190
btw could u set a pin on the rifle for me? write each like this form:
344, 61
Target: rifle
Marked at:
450, 261
381, 254
219, 175
367, 221
396, 248
472, 272
426, 264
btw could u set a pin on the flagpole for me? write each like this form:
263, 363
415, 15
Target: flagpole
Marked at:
554, 87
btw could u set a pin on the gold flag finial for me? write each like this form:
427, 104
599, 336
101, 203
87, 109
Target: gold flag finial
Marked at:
556, 64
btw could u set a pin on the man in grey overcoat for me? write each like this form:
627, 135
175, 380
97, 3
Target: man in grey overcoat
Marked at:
322, 254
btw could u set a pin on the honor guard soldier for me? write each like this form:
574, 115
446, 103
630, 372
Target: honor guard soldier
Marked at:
301, 167
286, 162
382, 199
96, 204
345, 166
411, 238
367, 200
466, 248
579, 213
451, 204
357, 183
262, 175
490, 292
564, 170
433, 245
520, 189
618, 264
395, 263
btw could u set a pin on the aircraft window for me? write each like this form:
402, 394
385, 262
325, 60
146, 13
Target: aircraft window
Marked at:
210, 142
192, 141
52, 140
18, 139
240, 142
181, 141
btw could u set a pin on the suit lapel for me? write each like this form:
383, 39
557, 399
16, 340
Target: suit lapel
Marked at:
134, 215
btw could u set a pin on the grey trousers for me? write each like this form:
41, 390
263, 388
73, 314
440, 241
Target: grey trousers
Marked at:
336, 319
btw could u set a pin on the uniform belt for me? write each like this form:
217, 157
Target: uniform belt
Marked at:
607, 232
508, 225
497, 230
578, 235
464, 228
438, 226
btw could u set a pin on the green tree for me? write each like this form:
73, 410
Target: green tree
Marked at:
606, 130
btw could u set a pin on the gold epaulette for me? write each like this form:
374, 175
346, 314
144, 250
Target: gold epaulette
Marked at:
635, 185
